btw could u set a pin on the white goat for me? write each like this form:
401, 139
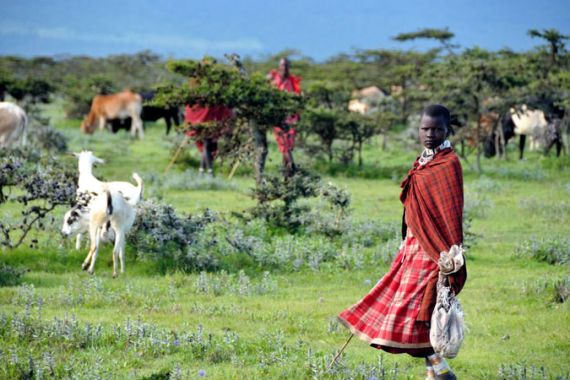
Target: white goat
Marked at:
88, 182
109, 207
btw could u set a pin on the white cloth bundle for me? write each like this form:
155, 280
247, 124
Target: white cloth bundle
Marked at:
447, 321
450, 262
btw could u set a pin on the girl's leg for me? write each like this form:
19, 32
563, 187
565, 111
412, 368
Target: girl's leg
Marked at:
440, 367
430, 373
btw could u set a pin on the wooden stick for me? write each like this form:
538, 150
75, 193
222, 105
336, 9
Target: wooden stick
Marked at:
340, 352
234, 168
182, 144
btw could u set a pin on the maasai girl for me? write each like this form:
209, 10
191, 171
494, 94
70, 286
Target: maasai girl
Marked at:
285, 133
394, 316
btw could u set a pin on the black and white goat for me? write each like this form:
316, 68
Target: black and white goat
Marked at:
109, 210
76, 221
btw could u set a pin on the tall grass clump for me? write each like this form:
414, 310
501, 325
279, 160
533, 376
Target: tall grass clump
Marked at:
477, 205
188, 180
553, 211
555, 290
552, 250
522, 371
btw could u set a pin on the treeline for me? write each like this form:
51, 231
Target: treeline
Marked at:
471, 81
79, 78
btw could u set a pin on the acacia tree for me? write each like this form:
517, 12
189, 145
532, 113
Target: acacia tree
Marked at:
555, 41
326, 105
254, 101
403, 69
548, 88
476, 83
443, 36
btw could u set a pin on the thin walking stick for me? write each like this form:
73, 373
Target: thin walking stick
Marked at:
184, 142
234, 168
341, 350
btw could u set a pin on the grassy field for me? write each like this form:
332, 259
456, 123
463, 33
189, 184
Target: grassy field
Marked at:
281, 325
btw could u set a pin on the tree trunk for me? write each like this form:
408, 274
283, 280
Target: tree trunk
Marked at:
260, 141
503, 142
360, 154
478, 140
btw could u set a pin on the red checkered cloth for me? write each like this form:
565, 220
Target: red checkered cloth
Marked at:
394, 316
387, 316
200, 115
432, 195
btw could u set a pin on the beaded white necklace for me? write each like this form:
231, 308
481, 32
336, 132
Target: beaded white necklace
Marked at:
428, 154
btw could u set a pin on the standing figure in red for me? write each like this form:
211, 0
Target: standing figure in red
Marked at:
207, 117
285, 133
395, 315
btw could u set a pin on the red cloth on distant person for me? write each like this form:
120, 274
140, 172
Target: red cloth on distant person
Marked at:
198, 114
286, 137
290, 84
432, 195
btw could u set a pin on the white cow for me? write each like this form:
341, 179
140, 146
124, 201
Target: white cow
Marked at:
13, 124
531, 123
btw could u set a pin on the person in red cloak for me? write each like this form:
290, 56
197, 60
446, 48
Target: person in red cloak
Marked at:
206, 142
394, 316
285, 133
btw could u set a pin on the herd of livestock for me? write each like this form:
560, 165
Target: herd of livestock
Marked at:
129, 110
106, 210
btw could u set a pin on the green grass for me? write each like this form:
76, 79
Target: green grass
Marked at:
507, 325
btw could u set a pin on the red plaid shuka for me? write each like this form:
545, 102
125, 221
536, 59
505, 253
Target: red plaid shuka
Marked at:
432, 195
386, 316
394, 315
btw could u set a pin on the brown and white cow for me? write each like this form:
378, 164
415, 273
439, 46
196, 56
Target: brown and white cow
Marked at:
13, 124
115, 106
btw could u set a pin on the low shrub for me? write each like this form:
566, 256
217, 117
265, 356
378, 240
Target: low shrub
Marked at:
552, 250
477, 205
10, 276
552, 211
164, 236
548, 289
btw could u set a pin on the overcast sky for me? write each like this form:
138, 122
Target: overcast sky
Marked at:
320, 29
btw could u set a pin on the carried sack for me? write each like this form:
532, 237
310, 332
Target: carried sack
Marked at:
447, 324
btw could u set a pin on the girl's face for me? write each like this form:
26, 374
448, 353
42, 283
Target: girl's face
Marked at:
432, 131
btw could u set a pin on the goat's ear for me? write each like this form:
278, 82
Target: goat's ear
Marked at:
74, 154
99, 160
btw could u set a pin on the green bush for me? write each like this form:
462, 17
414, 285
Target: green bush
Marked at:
10, 276
552, 250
